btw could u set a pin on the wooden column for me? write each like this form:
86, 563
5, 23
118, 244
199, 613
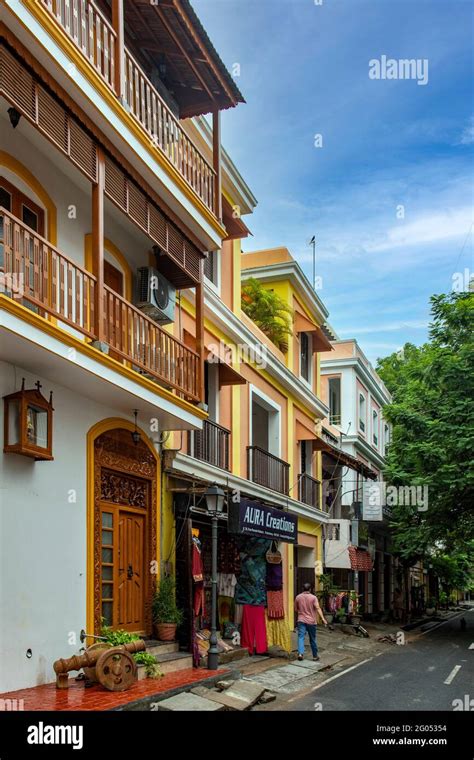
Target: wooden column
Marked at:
118, 26
216, 157
98, 245
200, 330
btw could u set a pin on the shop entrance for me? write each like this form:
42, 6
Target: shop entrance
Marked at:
124, 525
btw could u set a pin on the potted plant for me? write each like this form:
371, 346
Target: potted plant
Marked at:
431, 606
341, 615
166, 615
355, 616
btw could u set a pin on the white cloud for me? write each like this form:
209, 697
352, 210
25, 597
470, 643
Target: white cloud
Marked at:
467, 136
430, 228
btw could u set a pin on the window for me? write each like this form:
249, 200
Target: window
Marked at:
335, 401
211, 267
375, 427
265, 422
305, 357
361, 412
211, 389
306, 457
386, 436
20, 206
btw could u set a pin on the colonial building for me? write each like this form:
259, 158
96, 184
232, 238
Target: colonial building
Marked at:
357, 547
111, 199
260, 441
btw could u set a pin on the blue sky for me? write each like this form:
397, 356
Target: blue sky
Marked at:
385, 144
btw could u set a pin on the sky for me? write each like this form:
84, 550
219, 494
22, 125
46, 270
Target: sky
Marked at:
380, 170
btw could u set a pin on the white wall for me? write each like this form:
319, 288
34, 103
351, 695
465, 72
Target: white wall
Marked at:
336, 552
43, 540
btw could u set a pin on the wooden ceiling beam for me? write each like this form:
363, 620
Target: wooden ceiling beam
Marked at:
198, 42
177, 42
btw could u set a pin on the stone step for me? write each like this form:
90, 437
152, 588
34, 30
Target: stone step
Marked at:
189, 702
173, 661
169, 662
161, 647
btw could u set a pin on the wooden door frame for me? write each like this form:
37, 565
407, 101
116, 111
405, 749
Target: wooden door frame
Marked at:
145, 466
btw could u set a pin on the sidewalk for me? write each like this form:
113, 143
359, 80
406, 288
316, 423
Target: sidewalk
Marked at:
96, 698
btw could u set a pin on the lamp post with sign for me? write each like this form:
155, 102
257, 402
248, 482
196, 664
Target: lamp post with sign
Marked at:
215, 505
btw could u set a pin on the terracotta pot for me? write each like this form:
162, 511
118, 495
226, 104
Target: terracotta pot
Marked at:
165, 631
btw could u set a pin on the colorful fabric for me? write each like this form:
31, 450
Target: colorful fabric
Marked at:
199, 607
275, 606
226, 583
254, 631
197, 564
274, 577
251, 588
278, 634
225, 608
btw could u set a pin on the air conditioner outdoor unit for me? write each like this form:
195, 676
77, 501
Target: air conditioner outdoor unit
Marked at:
156, 297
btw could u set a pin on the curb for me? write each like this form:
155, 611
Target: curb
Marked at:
144, 703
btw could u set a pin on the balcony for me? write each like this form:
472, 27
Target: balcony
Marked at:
211, 444
309, 490
50, 284
335, 419
167, 39
268, 470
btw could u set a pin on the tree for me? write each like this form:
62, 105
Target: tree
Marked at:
432, 444
269, 312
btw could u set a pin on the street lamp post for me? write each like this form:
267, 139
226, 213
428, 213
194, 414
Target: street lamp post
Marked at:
215, 505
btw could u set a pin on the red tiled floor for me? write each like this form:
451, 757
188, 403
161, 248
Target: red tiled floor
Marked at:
76, 697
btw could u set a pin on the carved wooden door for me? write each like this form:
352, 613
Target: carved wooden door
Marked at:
130, 571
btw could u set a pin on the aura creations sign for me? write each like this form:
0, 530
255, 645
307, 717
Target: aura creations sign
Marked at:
249, 518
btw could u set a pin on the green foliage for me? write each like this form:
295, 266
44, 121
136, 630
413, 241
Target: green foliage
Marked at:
117, 637
151, 666
164, 602
432, 445
326, 583
269, 312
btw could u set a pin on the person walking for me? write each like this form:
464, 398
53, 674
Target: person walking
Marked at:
307, 607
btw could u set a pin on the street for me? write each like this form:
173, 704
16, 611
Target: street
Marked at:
428, 673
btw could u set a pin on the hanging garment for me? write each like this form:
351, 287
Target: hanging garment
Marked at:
274, 577
197, 563
251, 588
278, 634
238, 613
198, 604
226, 583
254, 632
225, 607
275, 606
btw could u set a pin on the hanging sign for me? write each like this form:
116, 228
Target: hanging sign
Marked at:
373, 500
249, 518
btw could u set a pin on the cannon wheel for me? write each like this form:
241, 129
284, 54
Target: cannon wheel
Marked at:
116, 670
90, 671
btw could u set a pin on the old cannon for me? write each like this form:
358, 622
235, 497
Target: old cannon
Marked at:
115, 667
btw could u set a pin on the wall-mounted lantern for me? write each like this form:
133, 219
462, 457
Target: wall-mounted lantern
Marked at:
29, 423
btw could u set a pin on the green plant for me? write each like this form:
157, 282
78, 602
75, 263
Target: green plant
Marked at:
269, 312
151, 666
164, 605
443, 599
341, 613
117, 637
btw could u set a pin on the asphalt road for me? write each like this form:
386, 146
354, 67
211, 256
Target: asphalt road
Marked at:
427, 673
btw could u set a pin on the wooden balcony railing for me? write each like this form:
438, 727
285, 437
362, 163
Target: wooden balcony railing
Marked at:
95, 37
309, 490
268, 470
90, 31
211, 444
39, 276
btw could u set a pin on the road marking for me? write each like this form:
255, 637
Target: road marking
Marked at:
453, 674
472, 646
333, 678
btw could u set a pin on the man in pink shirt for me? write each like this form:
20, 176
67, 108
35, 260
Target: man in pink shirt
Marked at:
307, 606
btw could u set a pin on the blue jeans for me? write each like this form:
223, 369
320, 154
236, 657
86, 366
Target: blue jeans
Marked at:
311, 630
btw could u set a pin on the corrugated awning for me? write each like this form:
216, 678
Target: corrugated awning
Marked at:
346, 459
360, 559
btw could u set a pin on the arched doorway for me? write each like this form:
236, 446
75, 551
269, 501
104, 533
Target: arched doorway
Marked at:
124, 529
